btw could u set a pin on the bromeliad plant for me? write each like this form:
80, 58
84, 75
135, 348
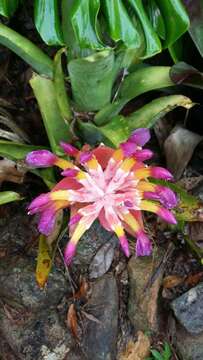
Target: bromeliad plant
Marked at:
111, 185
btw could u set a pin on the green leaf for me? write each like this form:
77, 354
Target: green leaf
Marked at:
195, 11
182, 73
92, 80
120, 25
24, 48
156, 355
156, 18
84, 22
153, 44
8, 7
60, 88
167, 353
56, 128
9, 196
176, 50
175, 18
15, 151
47, 21
137, 83
120, 128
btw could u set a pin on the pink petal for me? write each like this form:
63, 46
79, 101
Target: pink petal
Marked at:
39, 202
143, 245
85, 156
103, 154
163, 194
70, 172
47, 221
140, 136
124, 245
74, 219
69, 149
142, 155
167, 216
103, 221
69, 253
66, 184
128, 148
40, 158
161, 173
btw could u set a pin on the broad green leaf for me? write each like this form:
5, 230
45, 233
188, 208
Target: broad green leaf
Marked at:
153, 44
175, 18
59, 83
156, 355
92, 80
47, 21
155, 18
56, 128
24, 48
120, 25
8, 7
8, 196
73, 46
137, 83
167, 353
119, 128
195, 11
182, 73
176, 50
15, 151
84, 23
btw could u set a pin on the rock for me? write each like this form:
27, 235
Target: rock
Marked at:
143, 310
189, 347
101, 337
41, 338
90, 242
188, 309
18, 284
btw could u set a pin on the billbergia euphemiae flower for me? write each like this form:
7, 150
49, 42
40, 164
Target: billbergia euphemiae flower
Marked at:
111, 185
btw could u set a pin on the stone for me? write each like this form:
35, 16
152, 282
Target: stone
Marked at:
101, 336
143, 304
18, 284
188, 309
189, 347
89, 244
41, 337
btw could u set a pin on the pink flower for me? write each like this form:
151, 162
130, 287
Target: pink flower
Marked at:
111, 185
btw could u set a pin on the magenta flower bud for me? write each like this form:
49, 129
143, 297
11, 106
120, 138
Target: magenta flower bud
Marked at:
41, 158
161, 173
38, 203
140, 136
142, 155
74, 219
70, 172
69, 253
124, 245
167, 216
143, 245
47, 221
69, 149
85, 156
128, 148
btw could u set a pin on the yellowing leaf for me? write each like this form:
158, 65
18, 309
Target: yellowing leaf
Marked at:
44, 262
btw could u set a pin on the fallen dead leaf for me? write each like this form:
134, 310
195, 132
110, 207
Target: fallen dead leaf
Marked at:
10, 172
189, 183
101, 261
138, 350
193, 280
171, 281
72, 321
179, 148
196, 231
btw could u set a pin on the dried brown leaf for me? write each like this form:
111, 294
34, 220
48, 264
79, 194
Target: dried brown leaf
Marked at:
193, 280
72, 321
101, 261
9, 172
138, 350
171, 281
